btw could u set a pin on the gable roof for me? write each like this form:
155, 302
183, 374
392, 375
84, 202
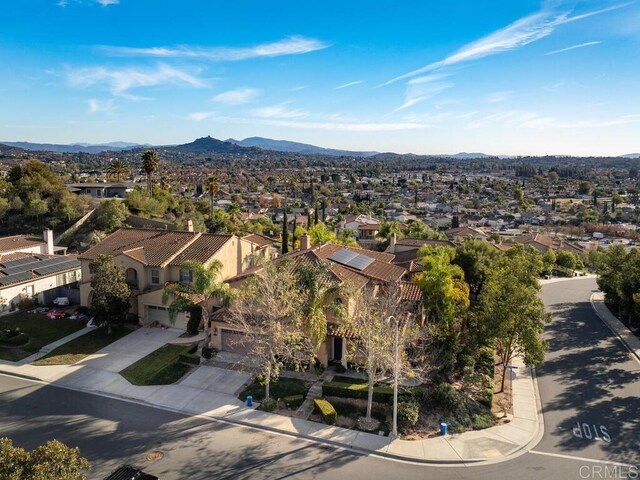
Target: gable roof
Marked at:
158, 248
259, 240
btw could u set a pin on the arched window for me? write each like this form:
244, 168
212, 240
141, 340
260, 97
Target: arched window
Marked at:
132, 277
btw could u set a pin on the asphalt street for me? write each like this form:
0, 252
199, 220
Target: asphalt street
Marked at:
584, 356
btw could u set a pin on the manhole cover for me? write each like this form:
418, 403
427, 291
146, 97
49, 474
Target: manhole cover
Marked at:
155, 456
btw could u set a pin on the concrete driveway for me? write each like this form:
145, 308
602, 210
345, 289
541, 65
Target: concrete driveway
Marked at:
130, 349
214, 379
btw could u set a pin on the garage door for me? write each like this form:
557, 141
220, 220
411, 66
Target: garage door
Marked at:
230, 340
161, 315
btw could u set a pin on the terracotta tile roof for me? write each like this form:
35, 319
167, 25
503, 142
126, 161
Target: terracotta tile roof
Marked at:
369, 226
328, 249
137, 254
19, 241
259, 240
159, 246
466, 232
410, 291
202, 249
380, 269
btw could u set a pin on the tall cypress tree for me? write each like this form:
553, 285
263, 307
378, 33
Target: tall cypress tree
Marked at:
315, 214
294, 238
285, 233
324, 209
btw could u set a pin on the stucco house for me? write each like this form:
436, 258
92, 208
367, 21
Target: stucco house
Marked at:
152, 258
101, 190
356, 267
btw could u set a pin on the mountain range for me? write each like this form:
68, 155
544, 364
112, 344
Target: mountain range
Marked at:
296, 147
75, 147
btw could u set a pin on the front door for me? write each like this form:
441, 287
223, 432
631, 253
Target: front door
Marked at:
337, 349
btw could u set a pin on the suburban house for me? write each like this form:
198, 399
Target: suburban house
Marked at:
351, 266
152, 258
30, 244
101, 190
459, 234
542, 243
30, 268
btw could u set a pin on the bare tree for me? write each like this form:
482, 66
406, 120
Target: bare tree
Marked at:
268, 310
373, 333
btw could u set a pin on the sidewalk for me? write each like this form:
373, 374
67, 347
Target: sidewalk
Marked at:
210, 391
616, 326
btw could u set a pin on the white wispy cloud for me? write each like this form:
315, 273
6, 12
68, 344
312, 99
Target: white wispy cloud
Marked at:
332, 126
350, 84
520, 33
573, 47
105, 3
96, 105
499, 97
420, 89
534, 120
200, 116
278, 111
296, 45
120, 81
237, 96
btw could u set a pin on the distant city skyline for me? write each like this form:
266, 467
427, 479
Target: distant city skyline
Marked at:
498, 77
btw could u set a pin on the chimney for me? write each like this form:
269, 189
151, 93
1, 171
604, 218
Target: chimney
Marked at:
189, 225
305, 242
392, 243
48, 238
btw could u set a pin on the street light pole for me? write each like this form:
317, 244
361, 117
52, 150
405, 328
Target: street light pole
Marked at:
394, 427
511, 369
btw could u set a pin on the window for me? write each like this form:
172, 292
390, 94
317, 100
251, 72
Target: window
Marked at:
185, 276
29, 290
155, 276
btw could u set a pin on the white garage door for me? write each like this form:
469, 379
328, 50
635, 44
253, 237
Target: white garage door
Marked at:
230, 340
159, 314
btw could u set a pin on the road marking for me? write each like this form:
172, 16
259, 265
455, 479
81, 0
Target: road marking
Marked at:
582, 459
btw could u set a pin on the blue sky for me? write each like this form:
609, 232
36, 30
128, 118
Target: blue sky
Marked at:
501, 77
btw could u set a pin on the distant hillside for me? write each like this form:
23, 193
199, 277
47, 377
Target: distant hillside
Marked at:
295, 147
74, 148
212, 145
468, 156
631, 155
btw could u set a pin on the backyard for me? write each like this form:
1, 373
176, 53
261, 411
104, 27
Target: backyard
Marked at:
36, 331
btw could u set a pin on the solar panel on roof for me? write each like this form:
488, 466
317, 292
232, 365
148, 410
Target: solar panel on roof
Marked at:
360, 262
17, 262
343, 256
15, 278
57, 267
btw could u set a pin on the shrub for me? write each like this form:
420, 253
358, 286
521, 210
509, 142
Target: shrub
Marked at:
381, 393
27, 303
190, 358
408, 414
207, 352
326, 410
293, 401
447, 398
483, 420
195, 317
269, 405
486, 397
485, 362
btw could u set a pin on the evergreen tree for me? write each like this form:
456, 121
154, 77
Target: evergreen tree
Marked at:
285, 233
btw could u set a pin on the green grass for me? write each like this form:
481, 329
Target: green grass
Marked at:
343, 379
83, 346
160, 367
284, 387
41, 331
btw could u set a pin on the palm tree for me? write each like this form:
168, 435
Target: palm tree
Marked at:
206, 290
117, 169
315, 281
149, 165
213, 187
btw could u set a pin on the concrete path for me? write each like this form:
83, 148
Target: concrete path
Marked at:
52, 346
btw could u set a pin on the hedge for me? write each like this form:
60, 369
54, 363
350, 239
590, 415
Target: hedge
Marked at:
190, 358
381, 393
269, 405
326, 411
293, 401
193, 348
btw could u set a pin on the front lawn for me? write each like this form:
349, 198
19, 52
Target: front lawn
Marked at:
83, 346
284, 387
160, 367
41, 332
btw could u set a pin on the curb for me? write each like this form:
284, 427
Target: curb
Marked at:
633, 353
516, 452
